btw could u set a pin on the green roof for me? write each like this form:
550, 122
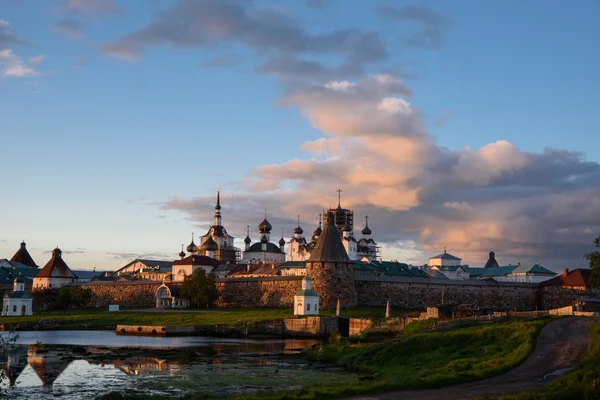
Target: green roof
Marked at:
306, 293
533, 269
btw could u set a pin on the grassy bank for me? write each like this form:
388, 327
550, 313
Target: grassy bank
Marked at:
419, 361
583, 382
102, 319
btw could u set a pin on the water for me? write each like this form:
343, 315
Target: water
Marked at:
86, 364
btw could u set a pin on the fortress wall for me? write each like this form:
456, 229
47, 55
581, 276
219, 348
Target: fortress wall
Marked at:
126, 294
375, 291
258, 292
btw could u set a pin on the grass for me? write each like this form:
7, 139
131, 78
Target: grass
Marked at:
101, 319
582, 383
419, 361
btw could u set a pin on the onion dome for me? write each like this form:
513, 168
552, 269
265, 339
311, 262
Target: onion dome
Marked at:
192, 248
209, 245
181, 254
281, 241
247, 240
366, 231
20, 279
57, 253
265, 227
264, 239
298, 230
317, 231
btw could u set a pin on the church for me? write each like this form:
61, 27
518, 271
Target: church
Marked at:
363, 248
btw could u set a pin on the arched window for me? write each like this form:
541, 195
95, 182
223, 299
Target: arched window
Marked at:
14, 308
307, 306
24, 310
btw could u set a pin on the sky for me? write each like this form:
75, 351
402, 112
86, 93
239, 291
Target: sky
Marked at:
464, 125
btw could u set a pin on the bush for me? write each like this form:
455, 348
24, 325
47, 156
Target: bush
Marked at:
73, 297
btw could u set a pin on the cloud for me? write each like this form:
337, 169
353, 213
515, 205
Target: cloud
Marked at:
77, 251
433, 25
267, 32
148, 256
12, 66
70, 27
94, 7
8, 36
497, 197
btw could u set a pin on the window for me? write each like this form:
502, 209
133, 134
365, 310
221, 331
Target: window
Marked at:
14, 308
307, 306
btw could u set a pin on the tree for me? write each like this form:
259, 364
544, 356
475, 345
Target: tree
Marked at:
594, 259
200, 288
73, 297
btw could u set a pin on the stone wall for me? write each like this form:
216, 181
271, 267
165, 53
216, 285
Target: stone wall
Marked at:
420, 293
558, 296
333, 281
126, 294
258, 292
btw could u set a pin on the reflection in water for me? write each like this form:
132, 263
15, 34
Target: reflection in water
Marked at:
168, 366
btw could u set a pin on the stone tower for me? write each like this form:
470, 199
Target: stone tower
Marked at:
331, 269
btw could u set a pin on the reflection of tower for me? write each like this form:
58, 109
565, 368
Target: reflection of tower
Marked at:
48, 369
15, 363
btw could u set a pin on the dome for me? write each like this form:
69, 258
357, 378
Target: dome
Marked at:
20, 279
264, 239
281, 241
248, 240
181, 254
366, 231
298, 230
265, 227
209, 245
57, 252
192, 247
317, 231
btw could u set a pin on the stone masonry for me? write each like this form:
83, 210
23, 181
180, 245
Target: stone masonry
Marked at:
333, 281
258, 292
126, 294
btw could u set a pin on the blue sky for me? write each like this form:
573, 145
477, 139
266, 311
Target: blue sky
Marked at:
97, 143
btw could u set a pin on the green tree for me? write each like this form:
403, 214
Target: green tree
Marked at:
594, 259
73, 297
200, 288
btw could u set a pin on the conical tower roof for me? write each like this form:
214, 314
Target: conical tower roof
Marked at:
22, 256
329, 247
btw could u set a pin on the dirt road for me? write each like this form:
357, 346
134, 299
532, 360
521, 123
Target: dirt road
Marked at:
561, 344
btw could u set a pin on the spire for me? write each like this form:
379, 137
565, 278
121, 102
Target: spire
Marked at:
339, 191
218, 206
217, 220
298, 230
366, 231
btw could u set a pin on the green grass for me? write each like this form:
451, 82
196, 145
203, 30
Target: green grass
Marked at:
102, 319
419, 361
582, 383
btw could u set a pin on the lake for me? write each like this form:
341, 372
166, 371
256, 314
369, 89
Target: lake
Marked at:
86, 364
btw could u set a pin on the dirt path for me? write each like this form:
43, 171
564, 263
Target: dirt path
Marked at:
561, 344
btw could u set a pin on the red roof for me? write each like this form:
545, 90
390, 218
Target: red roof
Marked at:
22, 256
577, 277
56, 268
197, 260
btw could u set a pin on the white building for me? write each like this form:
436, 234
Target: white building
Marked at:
17, 302
449, 265
306, 301
169, 296
187, 266
263, 250
55, 274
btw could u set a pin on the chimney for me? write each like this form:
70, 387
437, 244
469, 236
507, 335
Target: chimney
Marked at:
565, 272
